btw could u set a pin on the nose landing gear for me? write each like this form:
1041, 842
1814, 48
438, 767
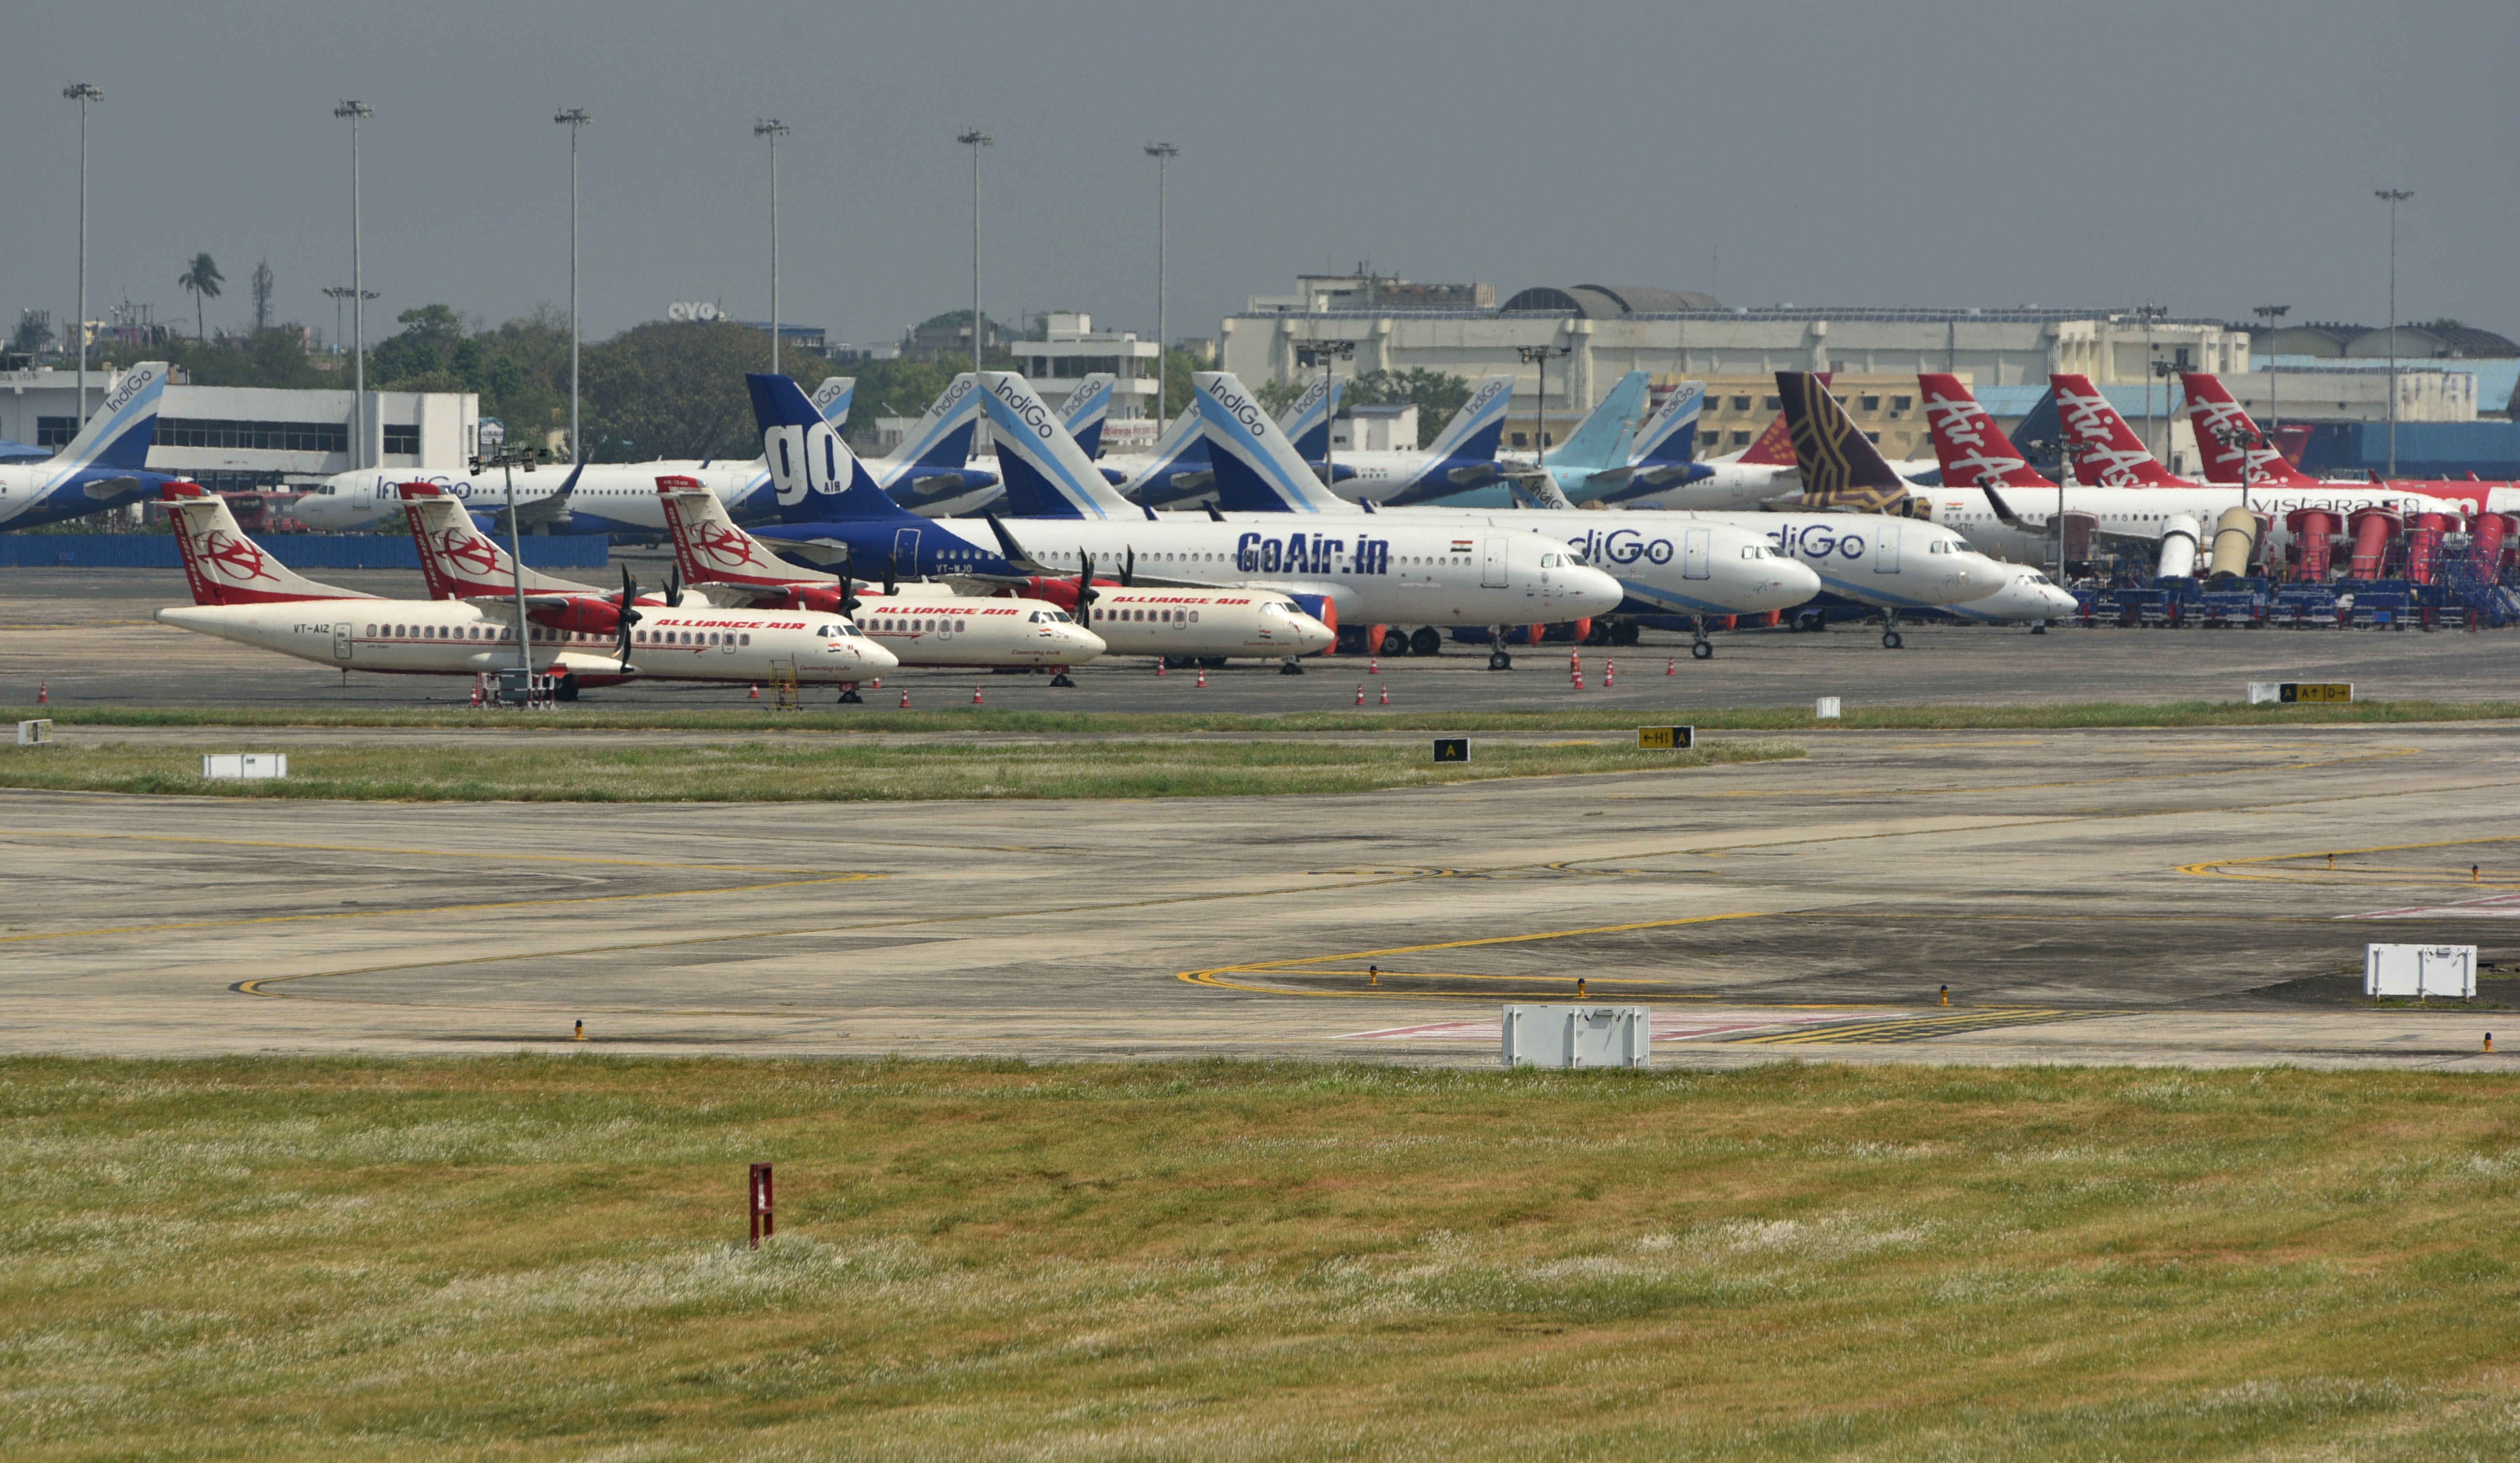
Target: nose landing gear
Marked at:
1891, 639
1701, 648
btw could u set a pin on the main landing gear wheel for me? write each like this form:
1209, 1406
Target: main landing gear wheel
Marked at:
1288, 667
2041, 628
1890, 640
849, 695
1063, 679
1702, 650
1426, 640
1499, 660
1395, 643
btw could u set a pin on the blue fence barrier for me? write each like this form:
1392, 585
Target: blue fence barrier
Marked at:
296, 550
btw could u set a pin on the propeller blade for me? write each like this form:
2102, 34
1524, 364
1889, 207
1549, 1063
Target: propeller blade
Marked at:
1128, 567
849, 583
1085, 595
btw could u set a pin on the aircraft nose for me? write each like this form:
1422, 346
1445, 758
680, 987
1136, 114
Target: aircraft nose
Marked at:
1088, 644
1311, 634
1796, 582
1589, 591
876, 656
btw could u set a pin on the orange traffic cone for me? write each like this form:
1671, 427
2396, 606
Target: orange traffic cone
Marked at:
905, 698
1202, 679
1159, 664
976, 696
1609, 675
1375, 665
43, 692
1360, 692
876, 684
1671, 666
1579, 680
1386, 693
756, 692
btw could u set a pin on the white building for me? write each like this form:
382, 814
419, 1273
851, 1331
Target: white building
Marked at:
232, 437
1072, 350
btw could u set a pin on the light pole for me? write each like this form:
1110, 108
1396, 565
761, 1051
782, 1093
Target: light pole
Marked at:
2149, 314
575, 120
1538, 355
1329, 353
1163, 152
357, 111
2063, 446
508, 460
2392, 196
975, 138
83, 93
774, 130
2161, 371
2268, 316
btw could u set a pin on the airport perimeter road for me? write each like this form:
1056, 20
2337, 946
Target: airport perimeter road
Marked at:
88, 637
2124, 897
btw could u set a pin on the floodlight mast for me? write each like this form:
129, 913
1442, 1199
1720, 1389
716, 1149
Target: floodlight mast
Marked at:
575, 120
2392, 196
774, 130
357, 111
2268, 316
1163, 152
83, 93
975, 138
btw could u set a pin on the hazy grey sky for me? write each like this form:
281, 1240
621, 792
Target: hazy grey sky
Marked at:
2213, 156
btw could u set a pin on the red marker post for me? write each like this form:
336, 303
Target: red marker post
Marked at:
760, 1197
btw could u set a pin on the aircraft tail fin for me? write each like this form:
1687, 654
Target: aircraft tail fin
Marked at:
1600, 440
1840, 468
1774, 447
458, 561
2106, 451
832, 397
1047, 474
1257, 468
1473, 433
815, 474
942, 440
124, 425
223, 565
1669, 439
1181, 450
710, 547
1307, 421
1974, 451
1085, 409
2227, 439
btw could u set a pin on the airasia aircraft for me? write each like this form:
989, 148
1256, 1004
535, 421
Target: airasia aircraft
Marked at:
242, 594
2233, 447
1179, 623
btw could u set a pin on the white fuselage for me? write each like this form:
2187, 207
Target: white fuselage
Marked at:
969, 630
1206, 623
1377, 569
1693, 567
455, 637
623, 493
2025, 597
2145, 512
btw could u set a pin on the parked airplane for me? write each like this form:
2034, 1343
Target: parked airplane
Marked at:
1363, 572
243, 595
1176, 624
1462, 458
1177, 472
2012, 511
105, 466
2227, 438
1696, 570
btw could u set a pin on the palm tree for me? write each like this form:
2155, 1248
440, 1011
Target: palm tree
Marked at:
204, 279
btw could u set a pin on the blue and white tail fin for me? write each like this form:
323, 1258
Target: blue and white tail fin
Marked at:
1047, 475
1180, 453
1475, 430
942, 440
120, 434
1669, 439
1085, 409
1600, 439
1307, 423
816, 476
1257, 469
832, 398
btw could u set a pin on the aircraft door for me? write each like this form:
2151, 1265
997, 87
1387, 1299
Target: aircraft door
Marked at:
905, 550
1885, 551
342, 643
1697, 550
1492, 573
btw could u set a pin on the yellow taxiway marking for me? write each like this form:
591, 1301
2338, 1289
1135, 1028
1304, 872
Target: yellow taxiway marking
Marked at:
2227, 868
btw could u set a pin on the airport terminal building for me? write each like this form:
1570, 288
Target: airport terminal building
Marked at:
234, 439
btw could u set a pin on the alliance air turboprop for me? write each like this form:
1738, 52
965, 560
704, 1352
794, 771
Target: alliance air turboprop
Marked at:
106, 466
1361, 571
243, 595
1991, 492
1175, 624
1695, 568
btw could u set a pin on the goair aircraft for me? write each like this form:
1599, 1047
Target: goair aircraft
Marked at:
105, 466
242, 594
1178, 625
2012, 511
1359, 571
1696, 568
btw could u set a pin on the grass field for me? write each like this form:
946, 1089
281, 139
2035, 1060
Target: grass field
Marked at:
841, 772
536, 1258
1130, 724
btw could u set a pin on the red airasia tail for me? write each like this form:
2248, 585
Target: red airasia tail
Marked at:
2227, 440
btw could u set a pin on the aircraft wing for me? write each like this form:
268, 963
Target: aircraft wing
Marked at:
2005, 514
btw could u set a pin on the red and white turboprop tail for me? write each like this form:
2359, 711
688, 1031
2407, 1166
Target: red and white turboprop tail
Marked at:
2106, 451
1974, 451
2227, 438
458, 561
714, 551
224, 566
